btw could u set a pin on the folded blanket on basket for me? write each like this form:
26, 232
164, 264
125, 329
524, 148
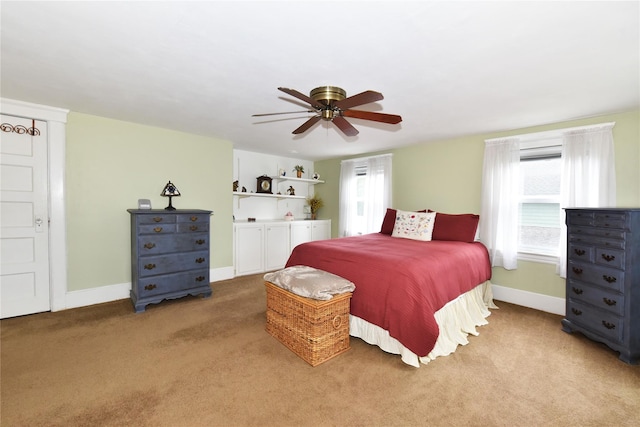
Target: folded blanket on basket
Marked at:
310, 282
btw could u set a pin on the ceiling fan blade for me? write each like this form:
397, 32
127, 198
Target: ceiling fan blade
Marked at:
345, 126
370, 115
288, 112
306, 125
359, 99
301, 96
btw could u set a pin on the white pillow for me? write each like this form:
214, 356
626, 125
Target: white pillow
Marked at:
414, 225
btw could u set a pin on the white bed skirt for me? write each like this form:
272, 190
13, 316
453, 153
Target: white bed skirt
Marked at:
456, 320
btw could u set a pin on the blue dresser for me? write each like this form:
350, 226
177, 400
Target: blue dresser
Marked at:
169, 255
603, 278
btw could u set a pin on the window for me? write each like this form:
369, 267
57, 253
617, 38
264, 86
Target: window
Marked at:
365, 194
539, 219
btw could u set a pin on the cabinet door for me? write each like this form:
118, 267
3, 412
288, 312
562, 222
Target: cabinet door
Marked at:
300, 233
249, 249
276, 251
321, 230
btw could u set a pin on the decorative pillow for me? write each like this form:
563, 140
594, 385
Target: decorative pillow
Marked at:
390, 220
414, 225
461, 228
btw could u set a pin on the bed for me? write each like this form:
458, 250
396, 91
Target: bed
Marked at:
415, 297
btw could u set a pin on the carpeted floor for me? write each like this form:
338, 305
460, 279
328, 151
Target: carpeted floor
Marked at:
194, 362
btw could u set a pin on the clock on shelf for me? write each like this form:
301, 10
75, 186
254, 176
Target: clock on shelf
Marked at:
264, 184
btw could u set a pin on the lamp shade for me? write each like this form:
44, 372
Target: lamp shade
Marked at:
170, 191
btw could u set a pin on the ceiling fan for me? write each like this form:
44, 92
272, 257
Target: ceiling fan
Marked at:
331, 103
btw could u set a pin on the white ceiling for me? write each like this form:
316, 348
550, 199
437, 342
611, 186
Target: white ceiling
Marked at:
448, 68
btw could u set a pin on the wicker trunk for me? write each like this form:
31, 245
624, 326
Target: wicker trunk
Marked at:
314, 330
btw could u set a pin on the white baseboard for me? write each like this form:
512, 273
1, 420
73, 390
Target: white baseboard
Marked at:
102, 294
528, 299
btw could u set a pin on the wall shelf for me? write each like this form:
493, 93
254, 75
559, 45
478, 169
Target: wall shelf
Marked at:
291, 178
241, 195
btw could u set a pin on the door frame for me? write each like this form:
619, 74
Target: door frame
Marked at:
56, 119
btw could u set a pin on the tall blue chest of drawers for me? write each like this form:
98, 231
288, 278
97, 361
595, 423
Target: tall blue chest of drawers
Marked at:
169, 255
603, 278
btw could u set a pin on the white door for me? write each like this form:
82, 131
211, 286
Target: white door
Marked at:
24, 218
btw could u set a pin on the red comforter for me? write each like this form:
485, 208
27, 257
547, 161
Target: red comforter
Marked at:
400, 283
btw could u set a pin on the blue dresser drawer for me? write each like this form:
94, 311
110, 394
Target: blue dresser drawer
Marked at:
606, 277
170, 263
161, 244
599, 298
158, 285
607, 325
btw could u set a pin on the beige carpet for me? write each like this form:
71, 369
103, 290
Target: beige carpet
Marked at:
193, 362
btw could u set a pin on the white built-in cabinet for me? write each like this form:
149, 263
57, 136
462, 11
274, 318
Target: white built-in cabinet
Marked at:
266, 245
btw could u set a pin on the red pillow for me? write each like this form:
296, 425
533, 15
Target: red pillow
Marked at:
390, 221
460, 228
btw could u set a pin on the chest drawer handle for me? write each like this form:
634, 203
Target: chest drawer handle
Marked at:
150, 287
609, 279
608, 325
200, 241
579, 252
577, 270
199, 278
149, 245
194, 218
157, 219
157, 229
200, 260
609, 301
608, 258
193, 228
577, 291
576, 311
149, 266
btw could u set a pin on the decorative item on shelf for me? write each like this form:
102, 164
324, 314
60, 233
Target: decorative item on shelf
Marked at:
291, 191
299, 170
315, 203
170, 191
316, 176
264, 184
251, 219
282, 172
236, 184
244, 189
288, 216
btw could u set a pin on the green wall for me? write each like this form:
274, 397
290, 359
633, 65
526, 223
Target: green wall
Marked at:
111, 164
447, 175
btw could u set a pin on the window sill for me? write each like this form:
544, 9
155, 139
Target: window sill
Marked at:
545, 259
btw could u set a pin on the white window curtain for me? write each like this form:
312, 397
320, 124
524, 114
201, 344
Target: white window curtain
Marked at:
377, 194
498, 228
588, 175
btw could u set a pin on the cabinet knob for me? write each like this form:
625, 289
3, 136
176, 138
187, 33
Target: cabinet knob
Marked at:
608, 301
149, 245
200, 241
579, 252
149, 266
150, 287
608, 258
193, 228
577, 270
199, 278
200, 260
576, 311
609, 279
577, 291
157, 229
194, 218
608, 325
157, 219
